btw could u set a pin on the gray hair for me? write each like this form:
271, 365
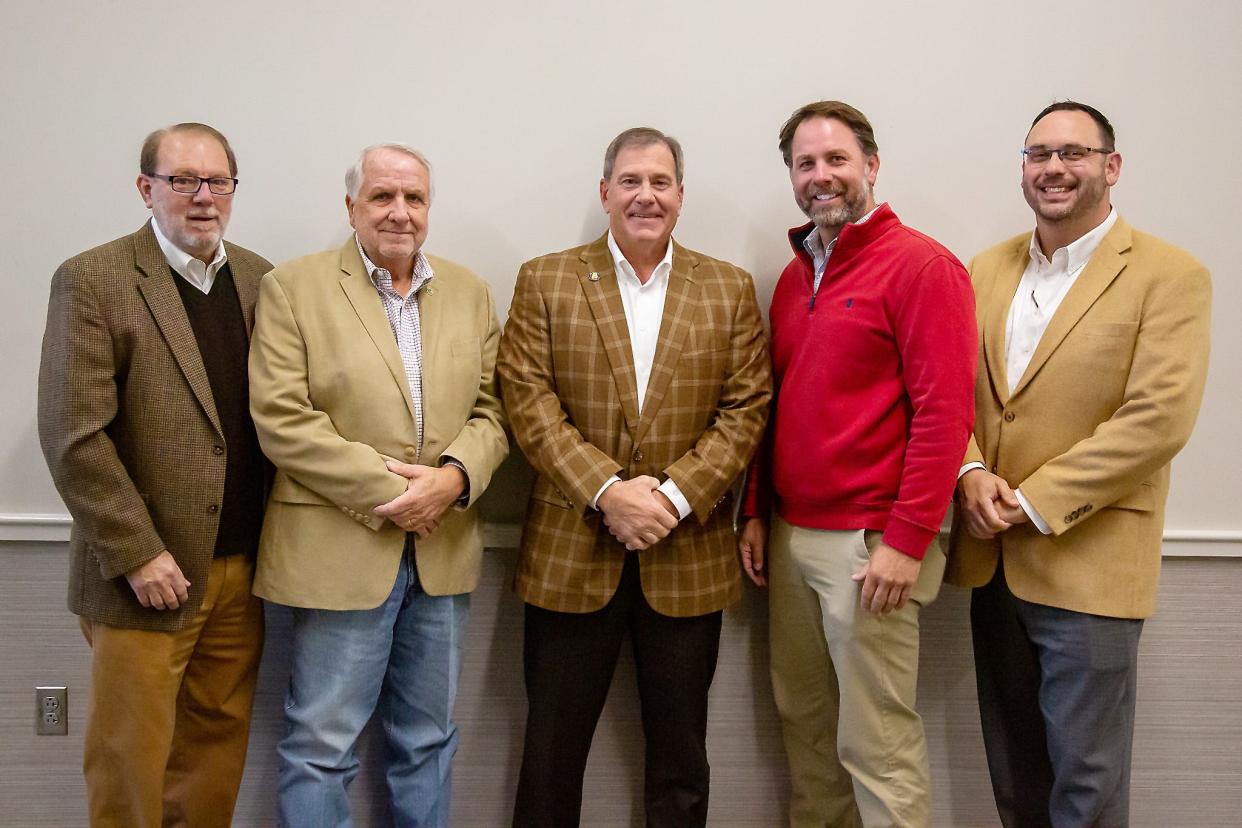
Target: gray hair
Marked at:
353, 175
641, 137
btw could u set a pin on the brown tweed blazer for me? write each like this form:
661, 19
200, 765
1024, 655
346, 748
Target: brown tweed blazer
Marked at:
128, 424
1088, 432
567, 374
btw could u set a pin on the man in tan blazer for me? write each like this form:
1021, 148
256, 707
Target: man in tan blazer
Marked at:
373, 390
145, 425
636, 376
1093, 359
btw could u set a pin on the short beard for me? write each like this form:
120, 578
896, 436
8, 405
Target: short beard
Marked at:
833, 218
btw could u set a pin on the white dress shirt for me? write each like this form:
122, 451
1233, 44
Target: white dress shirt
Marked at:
644, 311
1044, 284
193, 270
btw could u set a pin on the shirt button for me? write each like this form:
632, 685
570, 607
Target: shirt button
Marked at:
217, 450
638, 455
411, 452
1010, 416
212, 509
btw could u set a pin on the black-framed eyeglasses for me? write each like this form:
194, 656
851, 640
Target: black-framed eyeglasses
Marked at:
191, 184
1069, 154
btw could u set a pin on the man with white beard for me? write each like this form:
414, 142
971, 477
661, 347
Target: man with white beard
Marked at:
874, 349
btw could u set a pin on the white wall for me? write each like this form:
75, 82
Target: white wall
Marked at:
514, 103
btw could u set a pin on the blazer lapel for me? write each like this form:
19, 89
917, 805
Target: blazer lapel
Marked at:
160, 293
997, 318
599, 285
361, 293
1105, 264
247, 290
679, 306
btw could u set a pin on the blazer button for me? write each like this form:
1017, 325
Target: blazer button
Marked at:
212, 509
411, 452
638, 456
1009, 416
217, 450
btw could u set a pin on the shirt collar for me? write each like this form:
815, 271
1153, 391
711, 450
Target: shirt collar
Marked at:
815, 247
623, 265
382, 279
189, 268
1079, 251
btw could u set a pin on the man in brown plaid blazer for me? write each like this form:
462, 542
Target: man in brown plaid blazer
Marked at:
144, 421
636, 376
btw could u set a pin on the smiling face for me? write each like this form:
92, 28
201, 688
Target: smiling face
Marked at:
1069, 199
194, 222
642, 198
390, 211
832, 178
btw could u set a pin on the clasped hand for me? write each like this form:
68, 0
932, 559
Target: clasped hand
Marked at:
429, 492
637, 513
987, 503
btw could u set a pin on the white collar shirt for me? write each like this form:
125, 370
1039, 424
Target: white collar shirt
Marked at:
644, 310
198, 273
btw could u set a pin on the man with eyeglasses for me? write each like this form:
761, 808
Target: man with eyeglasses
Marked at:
1093, 359
144, 421
373, 390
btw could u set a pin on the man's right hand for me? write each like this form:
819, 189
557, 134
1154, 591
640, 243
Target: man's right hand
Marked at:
981, 496
158, 583
752, 546
634, 514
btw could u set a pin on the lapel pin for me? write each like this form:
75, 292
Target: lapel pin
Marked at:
593, 276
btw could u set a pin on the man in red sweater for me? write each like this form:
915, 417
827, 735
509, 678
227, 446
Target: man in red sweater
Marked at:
874, 353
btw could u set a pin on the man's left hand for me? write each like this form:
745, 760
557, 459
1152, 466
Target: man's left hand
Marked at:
429, 492
887, 579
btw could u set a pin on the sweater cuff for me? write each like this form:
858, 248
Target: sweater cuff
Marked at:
908, 538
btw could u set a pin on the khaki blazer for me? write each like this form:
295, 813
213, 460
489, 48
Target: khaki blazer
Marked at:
129, 426
331, 402
567, 370
1088, 432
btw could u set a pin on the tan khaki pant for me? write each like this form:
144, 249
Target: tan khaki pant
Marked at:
168, 714
845, 682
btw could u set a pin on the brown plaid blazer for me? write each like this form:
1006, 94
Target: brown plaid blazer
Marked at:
128, 424
567, 374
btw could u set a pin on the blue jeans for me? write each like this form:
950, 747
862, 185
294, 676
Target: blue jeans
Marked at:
402, 659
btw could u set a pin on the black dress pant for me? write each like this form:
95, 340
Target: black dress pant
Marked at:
569, 662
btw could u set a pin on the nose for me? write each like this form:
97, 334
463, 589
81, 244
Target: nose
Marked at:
204, 195
645, 192
1054, 159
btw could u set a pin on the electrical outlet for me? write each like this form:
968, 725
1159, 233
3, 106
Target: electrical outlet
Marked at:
51, 711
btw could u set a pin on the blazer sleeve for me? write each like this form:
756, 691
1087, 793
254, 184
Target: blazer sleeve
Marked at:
554, 447
482, 445
298, 438
1161, 402
723, 451
77, 403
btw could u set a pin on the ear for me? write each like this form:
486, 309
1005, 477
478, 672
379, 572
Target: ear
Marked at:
681, 196
144, 189
1112, 168
603, 193
349, 210
872, 168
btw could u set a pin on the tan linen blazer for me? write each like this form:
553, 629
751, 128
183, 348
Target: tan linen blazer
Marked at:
1088, 432
129, 426
331, 402
567, 372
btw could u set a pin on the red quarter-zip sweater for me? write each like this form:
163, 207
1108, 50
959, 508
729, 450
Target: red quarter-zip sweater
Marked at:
875, 382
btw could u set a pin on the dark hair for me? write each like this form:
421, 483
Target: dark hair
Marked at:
1106, 129
151, 146
843, 112
641, 137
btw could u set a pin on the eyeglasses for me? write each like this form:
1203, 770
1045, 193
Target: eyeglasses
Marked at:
1069, 154
191, 184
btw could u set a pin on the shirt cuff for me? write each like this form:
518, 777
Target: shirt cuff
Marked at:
678, 499
607, 483
1031, 513
970, 466
464, 499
